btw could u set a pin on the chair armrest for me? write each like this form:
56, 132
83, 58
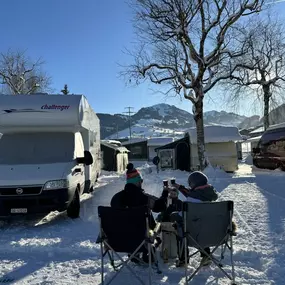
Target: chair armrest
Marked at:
157, 228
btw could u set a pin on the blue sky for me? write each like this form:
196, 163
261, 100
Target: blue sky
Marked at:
82, 43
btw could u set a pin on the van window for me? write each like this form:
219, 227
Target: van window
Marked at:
36, 148
79, 146
273, 141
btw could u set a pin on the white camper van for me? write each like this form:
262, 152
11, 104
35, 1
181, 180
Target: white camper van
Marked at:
49, 153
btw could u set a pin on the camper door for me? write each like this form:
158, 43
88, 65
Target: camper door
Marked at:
167, 158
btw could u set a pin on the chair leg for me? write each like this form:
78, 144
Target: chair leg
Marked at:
155, 253
112, 261
124, 263
232, 261
223, 250
185, 245
149, 262
188, 279
186, 257
102, 262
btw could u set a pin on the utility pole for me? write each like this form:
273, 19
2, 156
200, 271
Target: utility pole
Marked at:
129, 112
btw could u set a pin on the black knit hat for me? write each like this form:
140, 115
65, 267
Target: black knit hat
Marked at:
197, 179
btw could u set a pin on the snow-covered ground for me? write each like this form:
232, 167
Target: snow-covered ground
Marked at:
61, 251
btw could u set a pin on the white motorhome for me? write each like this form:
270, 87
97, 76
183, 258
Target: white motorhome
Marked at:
49, 153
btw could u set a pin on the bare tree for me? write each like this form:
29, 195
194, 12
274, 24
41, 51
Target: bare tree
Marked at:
261, 70
21, 75
182, 44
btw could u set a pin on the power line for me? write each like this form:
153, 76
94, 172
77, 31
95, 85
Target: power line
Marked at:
129, 112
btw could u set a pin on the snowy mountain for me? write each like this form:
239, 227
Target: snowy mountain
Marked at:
250, 122
276, 116
161, 120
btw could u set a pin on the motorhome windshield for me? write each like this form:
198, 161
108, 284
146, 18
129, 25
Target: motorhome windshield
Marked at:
36, 148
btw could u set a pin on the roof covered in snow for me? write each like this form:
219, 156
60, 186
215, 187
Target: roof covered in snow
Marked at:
257, 130
216, 134
159, 141
254, 139
121, 149
118, 143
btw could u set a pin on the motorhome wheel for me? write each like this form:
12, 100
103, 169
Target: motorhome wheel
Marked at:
73, 209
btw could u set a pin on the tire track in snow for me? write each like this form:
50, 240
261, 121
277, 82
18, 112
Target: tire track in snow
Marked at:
249, 204
264, 191
258, 252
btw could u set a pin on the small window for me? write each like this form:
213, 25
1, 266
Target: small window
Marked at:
166, 158
79, 146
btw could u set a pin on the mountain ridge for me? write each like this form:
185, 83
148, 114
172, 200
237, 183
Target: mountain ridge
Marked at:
164, 120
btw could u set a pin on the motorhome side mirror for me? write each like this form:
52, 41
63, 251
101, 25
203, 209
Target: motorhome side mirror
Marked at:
88, 157
80, 160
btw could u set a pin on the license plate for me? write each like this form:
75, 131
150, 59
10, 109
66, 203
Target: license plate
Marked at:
19, 211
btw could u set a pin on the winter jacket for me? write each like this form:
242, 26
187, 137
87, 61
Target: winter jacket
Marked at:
133, 196
205, 193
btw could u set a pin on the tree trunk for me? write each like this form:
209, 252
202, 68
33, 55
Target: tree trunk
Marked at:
198, 117
266, 98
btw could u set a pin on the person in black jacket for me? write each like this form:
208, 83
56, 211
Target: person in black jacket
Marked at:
200, 190
134, 195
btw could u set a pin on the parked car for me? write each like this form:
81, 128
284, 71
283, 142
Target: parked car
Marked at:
270, 150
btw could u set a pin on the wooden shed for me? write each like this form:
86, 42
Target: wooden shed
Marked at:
175, 155
114, 157
220, 149
144, 149
138, 149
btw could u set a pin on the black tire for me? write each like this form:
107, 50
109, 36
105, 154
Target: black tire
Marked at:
73, 209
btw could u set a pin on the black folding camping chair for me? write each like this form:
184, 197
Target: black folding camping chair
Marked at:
126, 231
208, 225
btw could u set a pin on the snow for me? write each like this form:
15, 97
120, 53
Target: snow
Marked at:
257, 130
216, 134
222, 118
161, 108
148, 122
118, 143
144, 131
160, 141
254, 139
57, 250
